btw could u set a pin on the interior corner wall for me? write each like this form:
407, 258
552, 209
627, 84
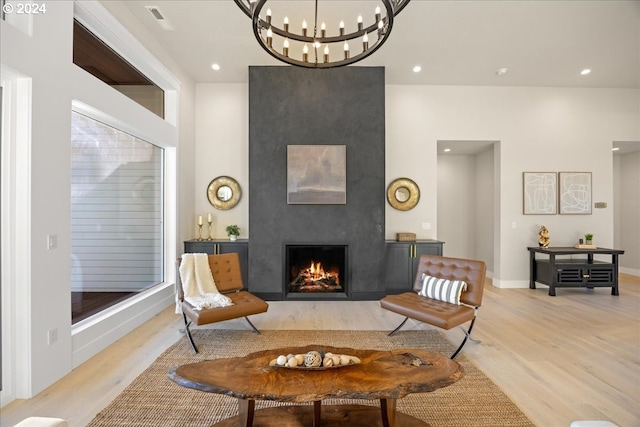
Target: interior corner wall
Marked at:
483, 212
294, 106
456, 205
627, 211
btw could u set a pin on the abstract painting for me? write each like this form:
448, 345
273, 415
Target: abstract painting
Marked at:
317, 174
539, 193
574, 189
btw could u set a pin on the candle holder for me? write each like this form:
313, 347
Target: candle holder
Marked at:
199, 232
210, 238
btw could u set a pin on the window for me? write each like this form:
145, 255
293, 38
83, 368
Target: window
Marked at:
116, 216
95, 57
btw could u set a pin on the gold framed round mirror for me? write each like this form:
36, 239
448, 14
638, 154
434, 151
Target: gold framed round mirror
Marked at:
403, 194
224, 192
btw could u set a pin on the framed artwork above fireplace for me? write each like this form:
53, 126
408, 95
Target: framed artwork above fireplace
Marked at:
317, 174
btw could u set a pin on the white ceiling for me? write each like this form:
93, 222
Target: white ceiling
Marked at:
542, 43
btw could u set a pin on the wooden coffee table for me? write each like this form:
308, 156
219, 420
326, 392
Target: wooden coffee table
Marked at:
382, 375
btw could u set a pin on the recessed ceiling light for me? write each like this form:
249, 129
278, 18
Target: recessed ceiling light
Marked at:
215, 67
446, 150
615, 149
417, 69
585, 71
501, 71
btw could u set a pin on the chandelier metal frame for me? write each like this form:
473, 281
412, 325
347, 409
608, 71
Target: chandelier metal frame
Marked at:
265, 31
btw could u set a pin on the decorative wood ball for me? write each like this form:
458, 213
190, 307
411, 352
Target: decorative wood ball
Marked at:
281, 360
312, 359
292, 362
327, 362
345, 360
300, 359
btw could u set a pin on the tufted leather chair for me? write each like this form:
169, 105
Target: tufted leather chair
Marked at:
438, 313
227, 275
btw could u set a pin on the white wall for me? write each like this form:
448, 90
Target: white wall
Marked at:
484, 211
222, 146
550, 129
466, 208
627, 210
46, 59
456, 203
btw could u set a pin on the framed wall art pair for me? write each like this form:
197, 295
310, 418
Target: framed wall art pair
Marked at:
549, 193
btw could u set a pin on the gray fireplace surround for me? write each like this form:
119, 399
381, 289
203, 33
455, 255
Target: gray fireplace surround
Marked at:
295, 106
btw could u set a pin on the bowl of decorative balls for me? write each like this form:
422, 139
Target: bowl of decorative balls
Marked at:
314, 360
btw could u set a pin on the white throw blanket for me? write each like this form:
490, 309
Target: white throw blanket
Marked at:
198, 286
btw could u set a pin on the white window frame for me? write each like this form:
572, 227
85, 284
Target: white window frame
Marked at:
117, 319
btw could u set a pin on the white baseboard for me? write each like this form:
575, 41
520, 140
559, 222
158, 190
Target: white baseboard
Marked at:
504, 284
629, 271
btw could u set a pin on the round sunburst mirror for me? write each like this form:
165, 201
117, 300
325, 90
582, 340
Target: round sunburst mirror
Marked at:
403, 194
224, 192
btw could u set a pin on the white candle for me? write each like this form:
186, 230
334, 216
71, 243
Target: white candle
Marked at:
208, 217
199, 219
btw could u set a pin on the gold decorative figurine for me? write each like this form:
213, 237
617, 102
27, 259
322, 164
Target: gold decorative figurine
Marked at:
543, 239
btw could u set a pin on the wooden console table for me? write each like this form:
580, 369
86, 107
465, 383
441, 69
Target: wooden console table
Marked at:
573, 273
383, 375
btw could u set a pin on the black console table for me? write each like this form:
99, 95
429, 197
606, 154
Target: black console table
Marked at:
573, 273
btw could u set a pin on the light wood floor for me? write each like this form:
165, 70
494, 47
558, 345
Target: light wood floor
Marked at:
572, 357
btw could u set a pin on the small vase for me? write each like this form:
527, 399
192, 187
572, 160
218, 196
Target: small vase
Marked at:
233, 237
589, 242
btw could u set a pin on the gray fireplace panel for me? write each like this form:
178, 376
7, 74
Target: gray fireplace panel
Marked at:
294, 106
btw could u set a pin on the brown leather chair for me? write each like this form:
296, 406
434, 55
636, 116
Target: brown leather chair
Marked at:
438, 313
227, 275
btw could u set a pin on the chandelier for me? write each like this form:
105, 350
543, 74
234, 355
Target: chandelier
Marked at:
321, 47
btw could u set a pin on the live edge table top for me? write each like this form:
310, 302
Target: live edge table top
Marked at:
380, 375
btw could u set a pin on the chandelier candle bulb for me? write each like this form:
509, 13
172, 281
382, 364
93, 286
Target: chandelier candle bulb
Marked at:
346, 50
365, 42
323, 30
360, 25
269, 37
286, 23
304, 28
326, 54
377, 13
268, 16
285, 49
342, 28
305, 53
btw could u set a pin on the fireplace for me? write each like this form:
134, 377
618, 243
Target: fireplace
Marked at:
316, 271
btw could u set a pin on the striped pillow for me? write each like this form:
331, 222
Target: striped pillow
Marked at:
442, 289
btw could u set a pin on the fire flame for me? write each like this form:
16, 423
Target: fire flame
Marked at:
317, 272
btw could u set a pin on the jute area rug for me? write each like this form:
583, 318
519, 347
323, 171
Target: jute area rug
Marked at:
154, 400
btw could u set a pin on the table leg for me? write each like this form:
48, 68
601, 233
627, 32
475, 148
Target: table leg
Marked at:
532, 270
388, 412
246, 409
552, 281
317, 412
614, 288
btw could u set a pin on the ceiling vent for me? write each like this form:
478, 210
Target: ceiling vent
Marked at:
159, 17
